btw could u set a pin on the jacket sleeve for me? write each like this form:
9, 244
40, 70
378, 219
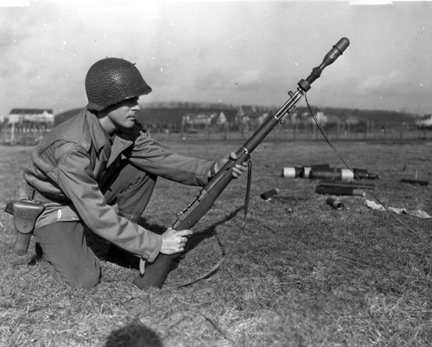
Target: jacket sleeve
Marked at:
149, 155
75, 179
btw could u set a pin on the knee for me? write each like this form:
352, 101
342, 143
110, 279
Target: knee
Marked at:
85, 279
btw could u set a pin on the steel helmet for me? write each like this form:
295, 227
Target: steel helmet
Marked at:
112, 80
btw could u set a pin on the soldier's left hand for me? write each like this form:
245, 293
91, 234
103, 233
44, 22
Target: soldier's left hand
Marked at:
237, 169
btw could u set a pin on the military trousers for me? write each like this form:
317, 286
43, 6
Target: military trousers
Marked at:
64, 244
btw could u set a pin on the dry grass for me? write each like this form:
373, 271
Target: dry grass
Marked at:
303, 274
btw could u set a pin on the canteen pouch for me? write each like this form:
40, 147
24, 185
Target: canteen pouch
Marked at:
25, 213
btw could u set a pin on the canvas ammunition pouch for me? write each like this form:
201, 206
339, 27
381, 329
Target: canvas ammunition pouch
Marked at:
25, 213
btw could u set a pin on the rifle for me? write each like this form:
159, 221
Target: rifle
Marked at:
156, 272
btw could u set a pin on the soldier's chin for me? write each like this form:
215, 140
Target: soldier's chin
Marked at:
130, 122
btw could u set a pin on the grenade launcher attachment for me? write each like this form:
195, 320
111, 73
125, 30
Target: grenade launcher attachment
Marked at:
156, 272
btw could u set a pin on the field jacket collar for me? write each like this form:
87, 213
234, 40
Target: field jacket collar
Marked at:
120, 141
96, 132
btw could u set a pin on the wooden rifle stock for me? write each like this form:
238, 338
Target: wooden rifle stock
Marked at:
156, 272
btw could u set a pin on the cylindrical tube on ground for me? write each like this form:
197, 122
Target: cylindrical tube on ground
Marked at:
306, 172
413, 181
307, 169
291, 172
335, 203
361, 173
301, 171
267, 195
333, 174
340, 191
354, 184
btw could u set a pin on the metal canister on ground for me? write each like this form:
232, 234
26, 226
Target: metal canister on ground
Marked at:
333, 174
291, 172
340, 191
269, 194
413, 181
301, 171
335, 203
362, 173
309, 168
351, 184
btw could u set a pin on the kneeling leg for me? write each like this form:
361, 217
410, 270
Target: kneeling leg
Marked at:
69, 258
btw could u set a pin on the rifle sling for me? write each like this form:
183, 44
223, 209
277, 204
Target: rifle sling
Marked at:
229, 250
248, 186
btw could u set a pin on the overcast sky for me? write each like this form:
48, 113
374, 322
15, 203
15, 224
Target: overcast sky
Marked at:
219, 51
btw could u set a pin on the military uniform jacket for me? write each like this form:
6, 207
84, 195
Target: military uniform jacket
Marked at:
67, 167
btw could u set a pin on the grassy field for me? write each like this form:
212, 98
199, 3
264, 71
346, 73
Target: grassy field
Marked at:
302, 273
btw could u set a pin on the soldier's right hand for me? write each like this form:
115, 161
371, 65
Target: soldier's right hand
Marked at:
174, 241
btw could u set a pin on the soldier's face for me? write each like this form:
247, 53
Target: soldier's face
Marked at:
123, 114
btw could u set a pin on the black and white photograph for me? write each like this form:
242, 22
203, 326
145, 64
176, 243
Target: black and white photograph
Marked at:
215, 173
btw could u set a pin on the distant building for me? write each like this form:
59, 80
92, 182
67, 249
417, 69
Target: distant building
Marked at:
352, 120
29, 117
425, 121
26, 126
221, 119
321, 117
302, 115
251, 117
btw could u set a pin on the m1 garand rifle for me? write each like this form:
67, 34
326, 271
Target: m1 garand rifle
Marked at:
155, 273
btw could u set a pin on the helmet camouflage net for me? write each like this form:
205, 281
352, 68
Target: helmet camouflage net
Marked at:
112, 80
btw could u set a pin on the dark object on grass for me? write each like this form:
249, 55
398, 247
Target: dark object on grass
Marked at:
306, 170
341, 174
335, 203
156, 272
340, 191
332, 174
420, 182
362, 173
267, 195
134, 334
354, 185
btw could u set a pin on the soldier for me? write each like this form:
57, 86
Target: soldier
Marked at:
99, 158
